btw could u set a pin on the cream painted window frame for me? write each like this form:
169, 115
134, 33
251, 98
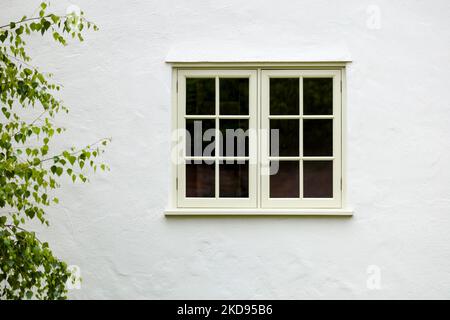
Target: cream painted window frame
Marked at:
337, 208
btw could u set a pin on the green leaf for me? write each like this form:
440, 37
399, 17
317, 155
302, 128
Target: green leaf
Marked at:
19, 30
28, 71
59, 171
3, 35
45, 24
71, 159
54, 18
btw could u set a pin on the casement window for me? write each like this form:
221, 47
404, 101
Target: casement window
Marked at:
262, 140
213, 102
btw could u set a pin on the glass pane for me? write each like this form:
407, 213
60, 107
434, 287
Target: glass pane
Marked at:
200, 96
233, 180
288, 138
317, 96
284, 96
201, 138
200, 180
318, 179
318, 137
233, 96
285, 182
234, 137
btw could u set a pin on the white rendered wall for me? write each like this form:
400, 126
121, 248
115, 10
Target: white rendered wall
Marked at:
398, 131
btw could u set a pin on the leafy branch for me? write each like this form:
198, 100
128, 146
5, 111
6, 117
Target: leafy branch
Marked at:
28, 171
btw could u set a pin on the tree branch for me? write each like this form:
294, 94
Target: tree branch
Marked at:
11, 227
39, 18
26, 20
78, 151
19, 61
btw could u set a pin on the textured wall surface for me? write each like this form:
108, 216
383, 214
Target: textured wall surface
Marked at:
398, 131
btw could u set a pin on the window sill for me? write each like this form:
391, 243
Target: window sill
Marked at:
257, 212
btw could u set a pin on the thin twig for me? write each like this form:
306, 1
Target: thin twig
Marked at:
20, 61
43, 112
11, 227
26, 20
76, 152
39, 18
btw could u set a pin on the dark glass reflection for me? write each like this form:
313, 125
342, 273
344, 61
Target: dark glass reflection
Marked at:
200, 180
318, 179
288, 141
196, 145
318, 137
234, 136
200, 96
317, 96
233, 180
284, 96
233, 96
285, 183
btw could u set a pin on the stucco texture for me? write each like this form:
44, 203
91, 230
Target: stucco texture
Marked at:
118, 85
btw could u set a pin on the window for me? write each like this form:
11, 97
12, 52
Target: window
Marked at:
258, 140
